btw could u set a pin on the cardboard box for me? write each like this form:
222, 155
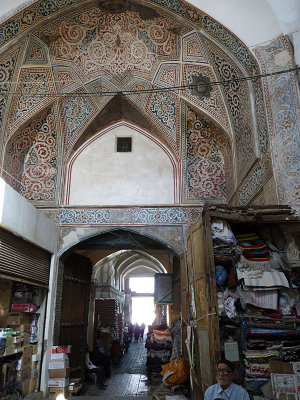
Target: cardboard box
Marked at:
23, 328
59, 373
57, 364
58, 382
54, 392
25, 307
59, 356
61, 349
9, 350
16, 318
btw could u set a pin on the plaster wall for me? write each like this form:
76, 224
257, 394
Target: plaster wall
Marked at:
19, 216
143, 176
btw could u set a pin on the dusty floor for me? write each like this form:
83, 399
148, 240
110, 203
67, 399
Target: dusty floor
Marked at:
128, 380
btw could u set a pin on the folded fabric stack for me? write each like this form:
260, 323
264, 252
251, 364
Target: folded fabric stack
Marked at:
159, 346
254, 247
263, 303
258, 363
224, 241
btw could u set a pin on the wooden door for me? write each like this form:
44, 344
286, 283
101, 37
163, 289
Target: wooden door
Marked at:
201, 287
74, 310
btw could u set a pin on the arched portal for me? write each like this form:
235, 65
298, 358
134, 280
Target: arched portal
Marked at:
102, 265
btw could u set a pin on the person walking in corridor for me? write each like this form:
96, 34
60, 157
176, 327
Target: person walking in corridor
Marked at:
136, 332
142, 329
225, 388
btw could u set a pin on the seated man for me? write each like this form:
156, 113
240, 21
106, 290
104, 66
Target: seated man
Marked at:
95, 369
225, 388
98, 357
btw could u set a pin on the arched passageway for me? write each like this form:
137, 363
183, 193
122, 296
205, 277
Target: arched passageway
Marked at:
97, 299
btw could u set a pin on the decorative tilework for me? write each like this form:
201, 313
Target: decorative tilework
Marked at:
173, 5
213, 104
192, 50
237, 97
131, 216
7, 68
32, 159
168, 75
101, 85
36, 52
94, 41
283, 107
233, 44
205, 149
254, 182
137, 84
163, 106
48, 7
8, 31
76, 109
33, 82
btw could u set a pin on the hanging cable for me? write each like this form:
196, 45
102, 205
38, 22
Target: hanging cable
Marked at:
140, 91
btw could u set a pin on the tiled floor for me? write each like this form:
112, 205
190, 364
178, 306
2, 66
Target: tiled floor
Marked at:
128, 381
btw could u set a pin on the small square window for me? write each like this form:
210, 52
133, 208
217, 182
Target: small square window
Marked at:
124, 144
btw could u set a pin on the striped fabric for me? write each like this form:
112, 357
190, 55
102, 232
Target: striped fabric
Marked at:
254, 247
263, 299
267, 279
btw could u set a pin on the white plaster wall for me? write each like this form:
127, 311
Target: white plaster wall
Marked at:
20, 217
144, 176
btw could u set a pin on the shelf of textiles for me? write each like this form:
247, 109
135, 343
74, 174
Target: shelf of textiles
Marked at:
258, 297
159, 348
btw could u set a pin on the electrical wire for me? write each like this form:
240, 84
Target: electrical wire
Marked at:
140, 91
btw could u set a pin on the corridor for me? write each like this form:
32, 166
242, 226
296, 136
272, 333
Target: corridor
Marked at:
128, 380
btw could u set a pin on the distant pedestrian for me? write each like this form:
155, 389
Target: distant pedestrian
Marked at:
142, 329
136, 333
130, 331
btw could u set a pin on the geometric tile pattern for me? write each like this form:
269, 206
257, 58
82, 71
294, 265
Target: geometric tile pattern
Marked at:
65, 78
213, 104
254, 182
205, 149
98, 51
93, 40
282, 102
168, 75
192, 50
233, 44
128, 216
37, 52
236, 95
99, 87
7, 68
163, 106
31, 158
76, 110
34, 83
138, 88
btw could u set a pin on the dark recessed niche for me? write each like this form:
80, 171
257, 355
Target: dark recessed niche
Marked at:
124, 144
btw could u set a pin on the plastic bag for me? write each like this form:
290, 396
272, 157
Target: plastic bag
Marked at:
175, 372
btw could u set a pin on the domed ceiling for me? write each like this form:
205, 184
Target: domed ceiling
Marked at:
75, 67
